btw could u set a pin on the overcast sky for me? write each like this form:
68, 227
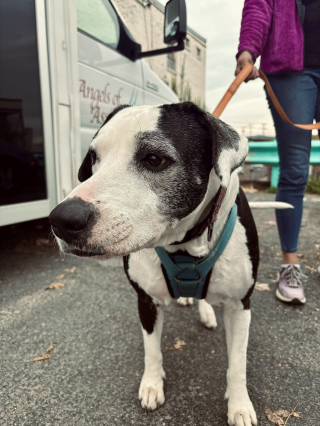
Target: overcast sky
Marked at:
219, 22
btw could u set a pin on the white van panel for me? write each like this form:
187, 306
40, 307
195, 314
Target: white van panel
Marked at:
99, 95
106, 80
61, 53
156, 91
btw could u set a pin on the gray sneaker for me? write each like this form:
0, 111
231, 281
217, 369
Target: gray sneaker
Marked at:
290, 287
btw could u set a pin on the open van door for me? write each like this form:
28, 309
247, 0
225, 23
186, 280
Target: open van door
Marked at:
39, 107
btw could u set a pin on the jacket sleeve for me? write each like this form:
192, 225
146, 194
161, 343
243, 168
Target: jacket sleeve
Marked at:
255, 26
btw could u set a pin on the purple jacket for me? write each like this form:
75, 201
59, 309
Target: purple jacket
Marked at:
273, 29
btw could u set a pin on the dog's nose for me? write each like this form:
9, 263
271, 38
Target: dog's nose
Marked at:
70, 218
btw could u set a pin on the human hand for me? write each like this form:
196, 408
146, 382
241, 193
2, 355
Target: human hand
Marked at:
244, 59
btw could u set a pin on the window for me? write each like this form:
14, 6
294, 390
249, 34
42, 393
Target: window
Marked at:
22, 154
187, 43
98, 19
171, 63
198, 52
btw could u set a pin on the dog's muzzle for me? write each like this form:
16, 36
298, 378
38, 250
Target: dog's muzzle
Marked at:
72, 220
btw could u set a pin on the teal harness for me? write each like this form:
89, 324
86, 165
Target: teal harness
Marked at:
188, 276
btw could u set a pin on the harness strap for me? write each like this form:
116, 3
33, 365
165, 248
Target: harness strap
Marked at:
208, 222
187, 274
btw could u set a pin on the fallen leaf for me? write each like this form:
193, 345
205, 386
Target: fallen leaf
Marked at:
250, 189
177, 346
47, 355
53, 286
282, 413
59, 277
279, 253
71, 270
300, 255
310, 268
276, 416
270, 222
317, 245
262, 287
42, 242
179, 343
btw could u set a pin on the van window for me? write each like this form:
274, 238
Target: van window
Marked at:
22, 155
98, 19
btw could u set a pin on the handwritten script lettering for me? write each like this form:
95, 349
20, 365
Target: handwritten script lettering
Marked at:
99, 98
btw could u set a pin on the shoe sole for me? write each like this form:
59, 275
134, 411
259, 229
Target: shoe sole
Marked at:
294, 301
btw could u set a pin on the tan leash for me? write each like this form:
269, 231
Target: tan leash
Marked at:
243, 74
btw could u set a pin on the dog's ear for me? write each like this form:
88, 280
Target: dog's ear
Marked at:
229, 149
85, 171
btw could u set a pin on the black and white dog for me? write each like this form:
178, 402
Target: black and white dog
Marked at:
151, 175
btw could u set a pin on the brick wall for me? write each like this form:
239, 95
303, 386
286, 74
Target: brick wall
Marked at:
145, 20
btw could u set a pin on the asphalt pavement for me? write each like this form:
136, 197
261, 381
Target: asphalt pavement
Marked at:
91, 375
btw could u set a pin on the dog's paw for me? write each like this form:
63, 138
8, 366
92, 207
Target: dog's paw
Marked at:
207, 315
151, 391
185, 301
241, 412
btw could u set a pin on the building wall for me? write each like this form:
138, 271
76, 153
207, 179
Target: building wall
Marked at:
145, 20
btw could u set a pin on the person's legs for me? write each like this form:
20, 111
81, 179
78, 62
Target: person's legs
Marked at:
297, 93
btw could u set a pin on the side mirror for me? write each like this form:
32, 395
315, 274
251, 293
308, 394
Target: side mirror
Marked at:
175, 22
175, 31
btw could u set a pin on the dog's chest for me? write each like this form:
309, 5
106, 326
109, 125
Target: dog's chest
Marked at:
231, 276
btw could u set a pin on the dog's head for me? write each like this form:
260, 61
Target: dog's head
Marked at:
147, 168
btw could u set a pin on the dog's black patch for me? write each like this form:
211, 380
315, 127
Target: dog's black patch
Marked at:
183, 141
85, 171
246, 299
147, 309
223, 137
247, 221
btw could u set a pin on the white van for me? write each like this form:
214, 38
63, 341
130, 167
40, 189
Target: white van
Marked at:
57, 86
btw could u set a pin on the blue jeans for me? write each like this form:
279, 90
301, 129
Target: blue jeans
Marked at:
299, 95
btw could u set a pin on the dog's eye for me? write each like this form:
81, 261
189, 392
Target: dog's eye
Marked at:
153, 160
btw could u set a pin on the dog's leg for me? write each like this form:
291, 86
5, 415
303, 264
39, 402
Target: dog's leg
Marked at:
207, 315
185, 301
240, 408
151, 388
